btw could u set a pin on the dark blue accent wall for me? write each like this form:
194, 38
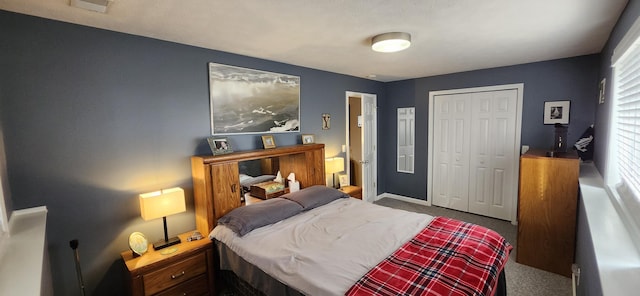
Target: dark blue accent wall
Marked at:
92, 118
574, 79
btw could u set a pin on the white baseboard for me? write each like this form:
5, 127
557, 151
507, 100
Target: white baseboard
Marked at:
403, 198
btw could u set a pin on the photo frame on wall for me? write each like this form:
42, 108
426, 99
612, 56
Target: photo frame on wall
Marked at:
248, 101
556, 112
219, 145
268, 142
601, 91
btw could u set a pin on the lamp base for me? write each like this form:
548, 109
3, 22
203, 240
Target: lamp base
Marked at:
163, 244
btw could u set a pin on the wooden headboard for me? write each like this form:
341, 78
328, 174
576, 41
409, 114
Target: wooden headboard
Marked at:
216, 182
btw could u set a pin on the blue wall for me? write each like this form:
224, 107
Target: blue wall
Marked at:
92, 118
574, 79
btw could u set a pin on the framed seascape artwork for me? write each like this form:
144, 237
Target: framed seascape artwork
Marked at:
219, 145
251, 101
556, 112
268, 142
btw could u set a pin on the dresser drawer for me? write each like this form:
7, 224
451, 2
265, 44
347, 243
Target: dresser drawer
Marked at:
174, 274
197, 286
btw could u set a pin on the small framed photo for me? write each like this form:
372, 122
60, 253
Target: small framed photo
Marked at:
308, 139
219, 145
268, 142
602, 89
344, 180
556, 112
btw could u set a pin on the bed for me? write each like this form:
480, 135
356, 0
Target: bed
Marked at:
318, 241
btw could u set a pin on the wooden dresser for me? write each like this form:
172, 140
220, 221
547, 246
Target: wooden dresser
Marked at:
216, 182
548, 198
188, 270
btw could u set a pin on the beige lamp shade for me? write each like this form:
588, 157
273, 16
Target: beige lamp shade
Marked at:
334, 165
158, 204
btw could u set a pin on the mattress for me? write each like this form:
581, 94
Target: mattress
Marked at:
324, 251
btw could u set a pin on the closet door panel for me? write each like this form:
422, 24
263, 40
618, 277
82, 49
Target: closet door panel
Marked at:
451, 158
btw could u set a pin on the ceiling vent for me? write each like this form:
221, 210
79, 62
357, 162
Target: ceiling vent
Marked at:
93, 5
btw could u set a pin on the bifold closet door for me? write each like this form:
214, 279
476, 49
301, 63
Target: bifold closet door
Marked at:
474, 137
451, 151
492, 179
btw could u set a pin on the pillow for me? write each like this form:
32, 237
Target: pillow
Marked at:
247, 182
243, 220
315, 196
245, 178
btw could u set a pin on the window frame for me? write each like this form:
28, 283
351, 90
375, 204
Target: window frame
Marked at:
624, 199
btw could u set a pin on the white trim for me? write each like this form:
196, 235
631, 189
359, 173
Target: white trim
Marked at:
403, 198
614, 246
24, 258
519, 87
627, 42
4, 189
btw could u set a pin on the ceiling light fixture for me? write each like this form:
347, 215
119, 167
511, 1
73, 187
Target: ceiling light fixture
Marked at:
391, 42
93, 5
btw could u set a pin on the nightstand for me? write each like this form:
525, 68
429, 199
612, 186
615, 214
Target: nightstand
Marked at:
354, 191
189, 270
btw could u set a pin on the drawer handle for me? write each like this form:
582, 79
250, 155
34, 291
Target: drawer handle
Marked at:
175, 276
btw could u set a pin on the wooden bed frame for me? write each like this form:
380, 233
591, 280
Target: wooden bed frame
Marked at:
216, 182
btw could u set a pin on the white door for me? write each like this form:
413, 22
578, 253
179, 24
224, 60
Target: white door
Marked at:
368, 143
406, 140
493, 123
451, 151
369, 149
474, 144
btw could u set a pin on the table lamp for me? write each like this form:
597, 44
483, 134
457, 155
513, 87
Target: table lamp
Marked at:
162, 203
333, 165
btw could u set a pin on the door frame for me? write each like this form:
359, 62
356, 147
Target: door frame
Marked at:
516, 165
374, 162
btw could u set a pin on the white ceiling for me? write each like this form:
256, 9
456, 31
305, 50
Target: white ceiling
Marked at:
448, 36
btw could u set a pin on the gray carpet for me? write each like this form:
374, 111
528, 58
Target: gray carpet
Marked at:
522, 280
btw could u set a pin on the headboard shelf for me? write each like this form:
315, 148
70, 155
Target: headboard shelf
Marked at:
216, 182
260, 154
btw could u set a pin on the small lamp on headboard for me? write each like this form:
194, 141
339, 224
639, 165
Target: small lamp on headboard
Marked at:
333, 165
160, 204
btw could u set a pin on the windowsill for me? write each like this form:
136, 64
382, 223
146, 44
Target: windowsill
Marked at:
617, 257
22, 255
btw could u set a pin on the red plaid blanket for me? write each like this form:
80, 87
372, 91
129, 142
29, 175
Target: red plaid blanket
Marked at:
448, 257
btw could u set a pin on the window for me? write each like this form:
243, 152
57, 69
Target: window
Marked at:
623, 171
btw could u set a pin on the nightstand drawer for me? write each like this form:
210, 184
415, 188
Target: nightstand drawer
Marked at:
196, 286
175, 274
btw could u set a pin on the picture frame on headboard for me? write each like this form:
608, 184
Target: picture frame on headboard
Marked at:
268, 142
219, 145
308, 139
